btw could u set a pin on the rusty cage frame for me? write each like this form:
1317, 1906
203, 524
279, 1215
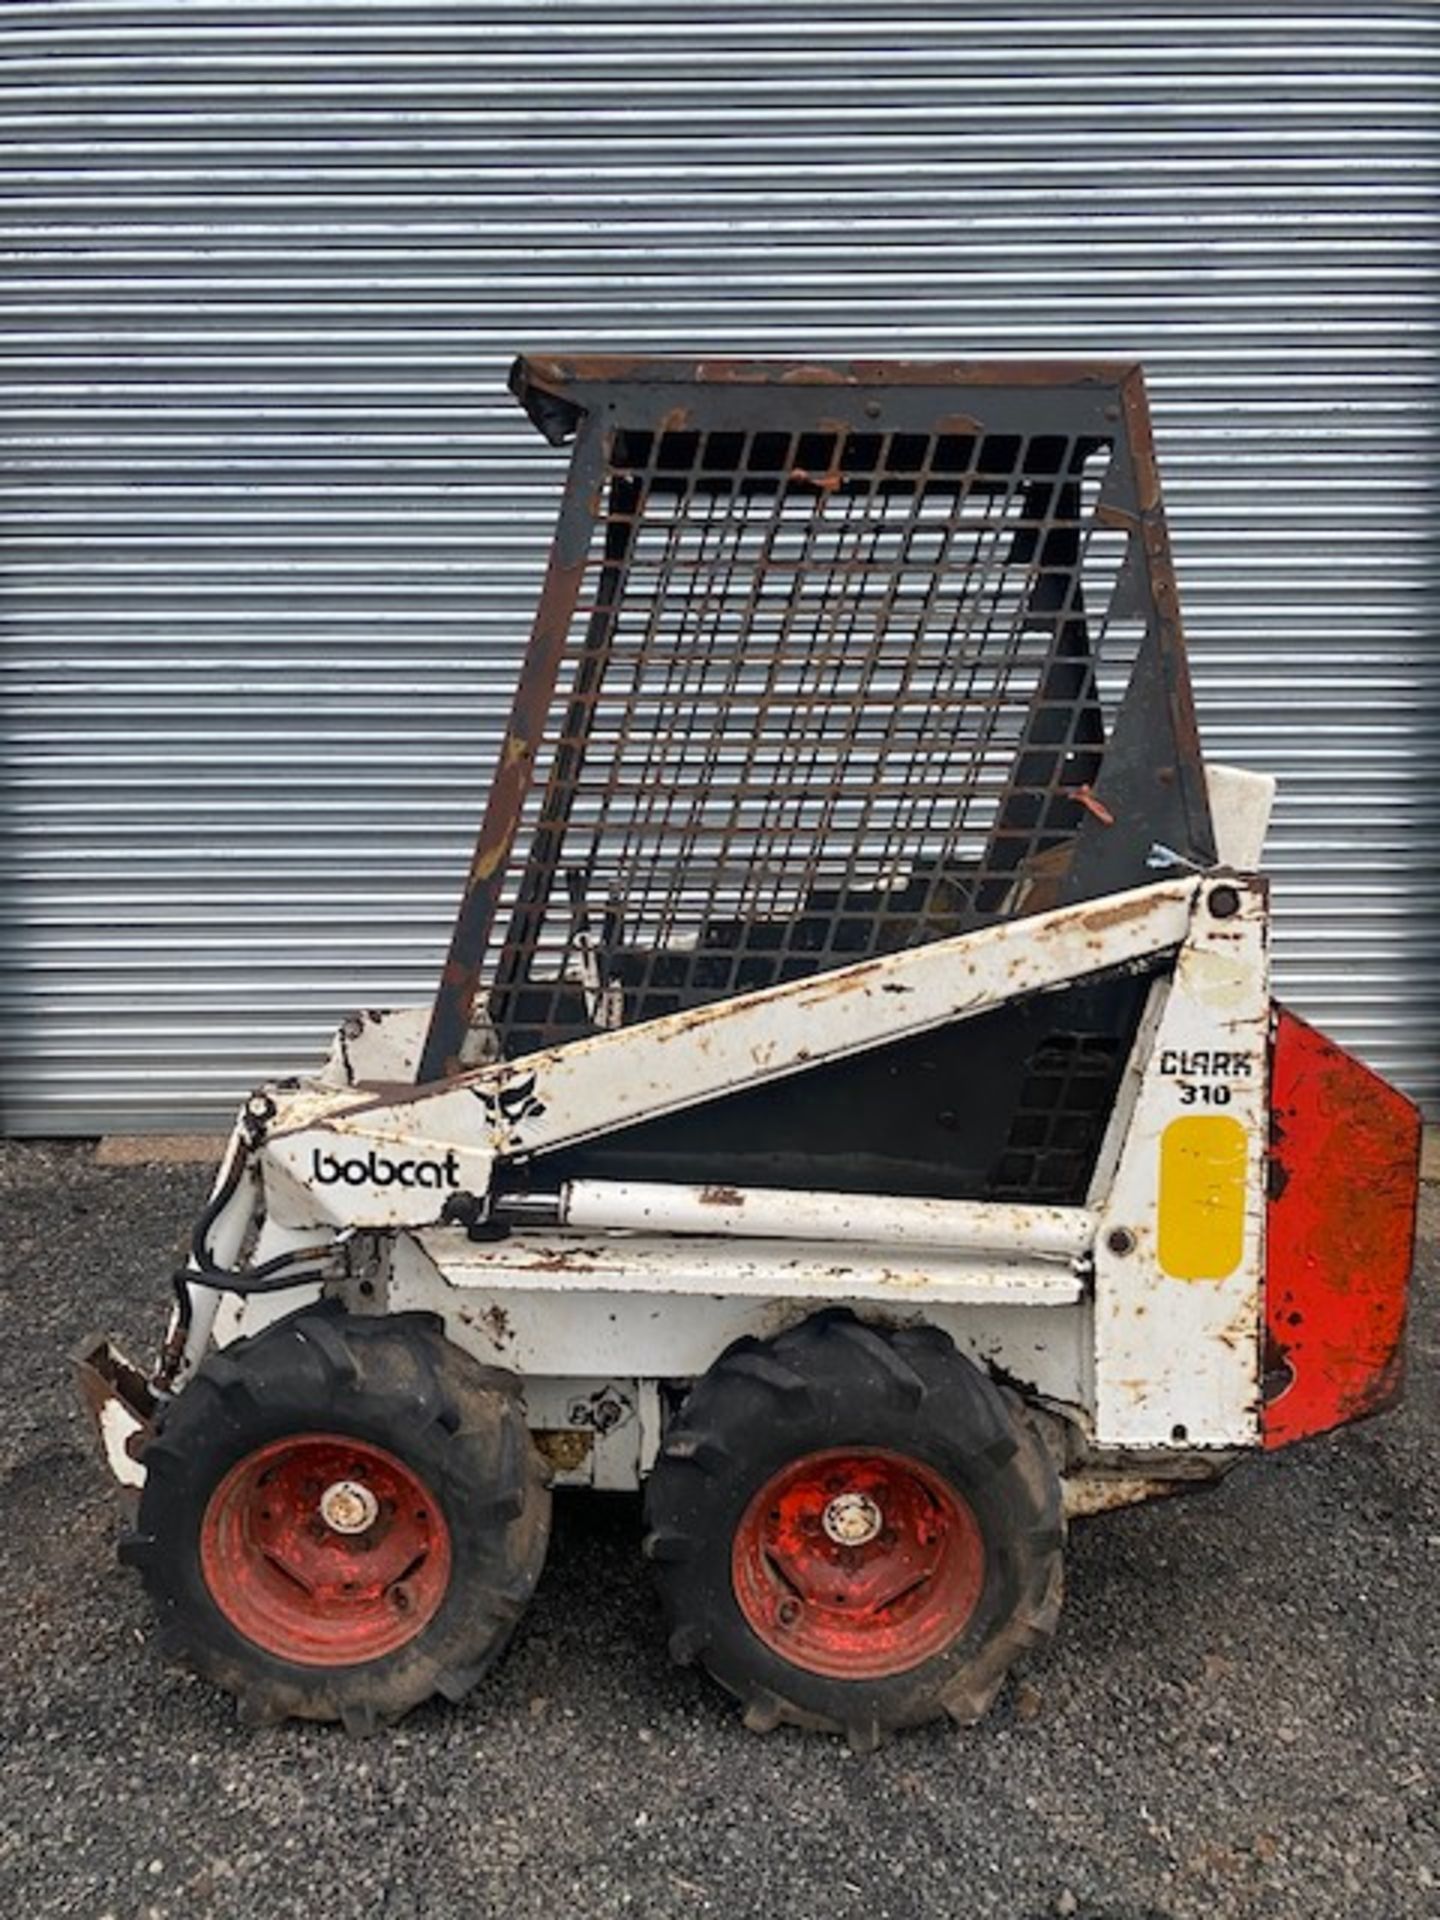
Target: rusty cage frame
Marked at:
830, 659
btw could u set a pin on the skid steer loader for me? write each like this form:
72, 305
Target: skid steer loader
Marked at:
852, 1109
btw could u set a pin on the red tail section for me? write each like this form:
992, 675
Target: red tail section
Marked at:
1340, 1235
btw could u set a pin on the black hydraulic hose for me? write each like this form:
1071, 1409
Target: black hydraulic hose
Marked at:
217, 1203
275, 1275
271, 1276
268, 1277
181, 1278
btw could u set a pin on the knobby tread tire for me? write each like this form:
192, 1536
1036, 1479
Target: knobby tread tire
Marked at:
393, 1380
835, 1381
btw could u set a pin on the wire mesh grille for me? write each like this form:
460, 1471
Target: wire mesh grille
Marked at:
1064, 1105
828, 694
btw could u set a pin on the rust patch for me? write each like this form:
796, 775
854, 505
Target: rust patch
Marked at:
1091, 1493
570, 1260
106, 1380
104, 1376
834, 986
1117, 913
562, 371
496, 1322
721, 1197
564, 1449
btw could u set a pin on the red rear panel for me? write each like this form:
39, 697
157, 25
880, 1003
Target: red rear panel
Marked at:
1340, 1235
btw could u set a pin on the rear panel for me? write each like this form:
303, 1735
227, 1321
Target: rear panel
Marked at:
1340, 1238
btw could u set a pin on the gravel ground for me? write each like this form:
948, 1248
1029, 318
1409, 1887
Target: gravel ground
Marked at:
1238, 1717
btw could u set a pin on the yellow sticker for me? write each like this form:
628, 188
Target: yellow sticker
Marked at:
1202, 1196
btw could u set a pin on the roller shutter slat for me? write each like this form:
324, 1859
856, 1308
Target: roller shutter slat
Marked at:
274, 533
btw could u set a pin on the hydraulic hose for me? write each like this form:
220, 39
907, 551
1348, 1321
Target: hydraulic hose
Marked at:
281, 1272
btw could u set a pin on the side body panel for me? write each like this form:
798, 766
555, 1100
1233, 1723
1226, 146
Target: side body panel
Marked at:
1179, 1252
1162, 1360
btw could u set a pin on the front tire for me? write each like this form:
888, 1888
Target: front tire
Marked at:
854, 1530
341, 1516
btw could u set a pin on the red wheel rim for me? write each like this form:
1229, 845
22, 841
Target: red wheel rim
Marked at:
856, 1563
325, 1550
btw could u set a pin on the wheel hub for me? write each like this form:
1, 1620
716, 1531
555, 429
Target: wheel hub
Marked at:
348, 1506
852, 1519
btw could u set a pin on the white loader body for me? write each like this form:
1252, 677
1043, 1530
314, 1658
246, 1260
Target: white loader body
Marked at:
1135, 1317
852, 1108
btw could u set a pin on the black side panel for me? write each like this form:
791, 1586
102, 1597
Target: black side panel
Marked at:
1009, 1106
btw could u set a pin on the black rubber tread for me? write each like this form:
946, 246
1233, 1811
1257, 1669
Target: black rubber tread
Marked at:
396, 1381
834, 1381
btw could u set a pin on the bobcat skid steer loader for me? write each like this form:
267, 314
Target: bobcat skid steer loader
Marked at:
852, 1109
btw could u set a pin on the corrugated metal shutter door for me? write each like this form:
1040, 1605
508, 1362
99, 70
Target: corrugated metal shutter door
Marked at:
274, 530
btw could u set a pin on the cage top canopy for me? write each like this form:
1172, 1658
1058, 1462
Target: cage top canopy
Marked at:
830, 658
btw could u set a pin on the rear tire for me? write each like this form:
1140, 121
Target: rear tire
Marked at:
854, 1530
438, 1518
